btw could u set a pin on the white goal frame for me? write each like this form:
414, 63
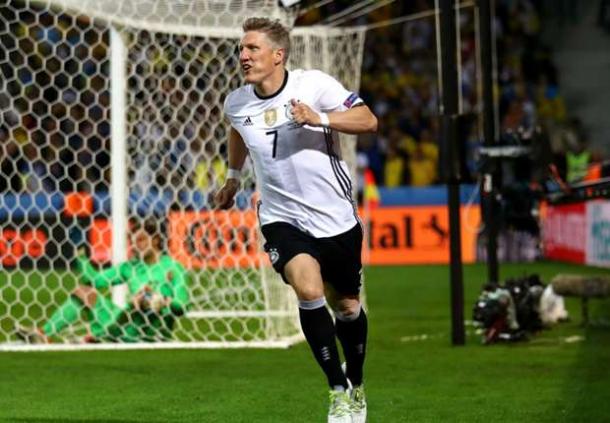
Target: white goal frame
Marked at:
314, 49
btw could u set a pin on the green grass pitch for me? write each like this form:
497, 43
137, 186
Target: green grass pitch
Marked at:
413, 374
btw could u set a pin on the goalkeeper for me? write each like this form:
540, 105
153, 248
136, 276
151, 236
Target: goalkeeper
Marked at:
157, 296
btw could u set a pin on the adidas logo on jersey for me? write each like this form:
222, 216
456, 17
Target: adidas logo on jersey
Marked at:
248, 122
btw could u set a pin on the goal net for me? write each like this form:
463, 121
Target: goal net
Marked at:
112, 118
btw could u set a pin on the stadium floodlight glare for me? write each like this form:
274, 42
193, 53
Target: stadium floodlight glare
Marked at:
171, 64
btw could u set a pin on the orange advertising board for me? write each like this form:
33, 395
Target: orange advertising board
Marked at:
16, 243
226, 239
196, 239
100, 241
211, 239
417, 235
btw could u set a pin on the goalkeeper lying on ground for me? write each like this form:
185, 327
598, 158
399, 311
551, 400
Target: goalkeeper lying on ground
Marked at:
157, 296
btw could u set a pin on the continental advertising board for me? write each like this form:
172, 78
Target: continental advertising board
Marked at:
225, 239
395, 235
417, 235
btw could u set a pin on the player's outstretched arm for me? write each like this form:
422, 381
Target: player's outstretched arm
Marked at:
100, 279
357, 120
238, 151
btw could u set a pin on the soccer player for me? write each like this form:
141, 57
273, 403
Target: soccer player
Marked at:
286, 121
157, 290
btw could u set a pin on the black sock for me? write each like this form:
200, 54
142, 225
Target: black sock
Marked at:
352, 335
319, 331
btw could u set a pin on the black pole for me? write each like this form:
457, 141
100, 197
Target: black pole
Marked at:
491, 173
449, 144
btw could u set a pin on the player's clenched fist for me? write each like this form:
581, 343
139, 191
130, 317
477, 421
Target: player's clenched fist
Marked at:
224, 198
304, 114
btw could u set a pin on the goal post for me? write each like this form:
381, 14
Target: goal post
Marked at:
118, 162
112, 114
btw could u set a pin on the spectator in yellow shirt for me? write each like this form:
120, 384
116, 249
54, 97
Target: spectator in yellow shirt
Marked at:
423, 169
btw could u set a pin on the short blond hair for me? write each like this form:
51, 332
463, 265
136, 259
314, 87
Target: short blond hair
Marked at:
277, 33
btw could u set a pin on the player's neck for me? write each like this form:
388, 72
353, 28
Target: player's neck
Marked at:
272, 84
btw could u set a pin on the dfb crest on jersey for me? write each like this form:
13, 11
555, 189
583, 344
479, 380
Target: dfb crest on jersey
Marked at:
290, 116
288, 111
274, 256
270, 117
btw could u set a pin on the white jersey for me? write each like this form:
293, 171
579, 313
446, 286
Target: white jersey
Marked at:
300, 175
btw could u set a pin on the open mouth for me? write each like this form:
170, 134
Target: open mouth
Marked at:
246, 68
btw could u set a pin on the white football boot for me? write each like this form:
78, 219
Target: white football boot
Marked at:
357, 400
358, 404
340, 407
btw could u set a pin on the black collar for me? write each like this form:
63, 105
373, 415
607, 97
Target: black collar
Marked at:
267, 97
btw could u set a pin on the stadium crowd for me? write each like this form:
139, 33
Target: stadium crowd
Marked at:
55, 132
400, 83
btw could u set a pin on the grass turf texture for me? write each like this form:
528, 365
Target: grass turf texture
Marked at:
409, 377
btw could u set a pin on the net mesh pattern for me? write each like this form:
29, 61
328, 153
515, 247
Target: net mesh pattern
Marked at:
55, 150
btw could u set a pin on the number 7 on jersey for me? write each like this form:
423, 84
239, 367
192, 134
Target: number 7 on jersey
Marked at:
274, 133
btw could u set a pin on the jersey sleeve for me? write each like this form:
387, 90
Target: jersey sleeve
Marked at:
227, 109
113, 275
332, 96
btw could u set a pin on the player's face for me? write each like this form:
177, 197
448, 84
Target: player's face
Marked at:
143, 243
257, 57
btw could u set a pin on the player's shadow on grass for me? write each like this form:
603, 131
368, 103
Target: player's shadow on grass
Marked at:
75, 420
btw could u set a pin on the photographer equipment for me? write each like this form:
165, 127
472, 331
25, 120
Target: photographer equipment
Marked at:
584, 287
508, 312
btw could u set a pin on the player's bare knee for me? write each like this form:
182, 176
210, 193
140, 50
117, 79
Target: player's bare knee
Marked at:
307, 285
347, 309
309, 291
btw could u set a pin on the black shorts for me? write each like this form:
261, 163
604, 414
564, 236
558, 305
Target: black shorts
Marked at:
339, 256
